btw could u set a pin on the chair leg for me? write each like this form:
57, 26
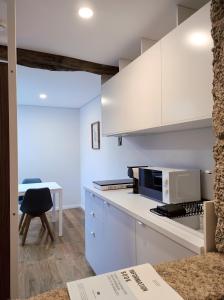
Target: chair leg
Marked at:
27, 225
21, 220
42, 221
23, 225
48, 226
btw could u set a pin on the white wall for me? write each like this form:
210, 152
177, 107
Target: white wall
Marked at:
49, 148
192, 148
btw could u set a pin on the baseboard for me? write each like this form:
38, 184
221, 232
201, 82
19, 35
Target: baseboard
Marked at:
69, 206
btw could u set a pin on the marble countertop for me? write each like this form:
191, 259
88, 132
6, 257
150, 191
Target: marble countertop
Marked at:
194, 278
197, 277
139, 207
59, 294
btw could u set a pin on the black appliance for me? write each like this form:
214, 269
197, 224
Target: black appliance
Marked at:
133, 172
151, 183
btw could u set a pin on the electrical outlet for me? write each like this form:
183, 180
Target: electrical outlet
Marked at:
120, 141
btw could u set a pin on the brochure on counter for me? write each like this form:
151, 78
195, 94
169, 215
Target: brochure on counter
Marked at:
134, 283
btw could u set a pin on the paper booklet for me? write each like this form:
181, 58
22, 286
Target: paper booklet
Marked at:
134, 283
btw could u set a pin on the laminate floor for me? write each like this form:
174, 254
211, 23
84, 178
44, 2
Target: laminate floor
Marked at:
46, 265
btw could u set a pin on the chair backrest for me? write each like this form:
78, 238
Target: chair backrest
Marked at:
36, 201
31, 180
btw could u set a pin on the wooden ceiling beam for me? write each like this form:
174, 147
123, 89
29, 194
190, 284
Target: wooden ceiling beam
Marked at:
54, 62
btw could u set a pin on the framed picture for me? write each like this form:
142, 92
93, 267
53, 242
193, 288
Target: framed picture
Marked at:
95, 135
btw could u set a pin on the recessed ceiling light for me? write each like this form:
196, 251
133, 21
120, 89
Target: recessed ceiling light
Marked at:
85, 12
43, 96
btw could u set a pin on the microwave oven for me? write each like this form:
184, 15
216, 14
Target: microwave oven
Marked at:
170, 185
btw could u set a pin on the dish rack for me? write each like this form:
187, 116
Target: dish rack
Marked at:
180, 210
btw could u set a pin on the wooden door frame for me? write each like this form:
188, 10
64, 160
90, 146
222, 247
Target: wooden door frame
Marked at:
12, 151
8, 188
4, 185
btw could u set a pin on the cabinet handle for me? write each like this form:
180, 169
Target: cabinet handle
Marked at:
92, 214
140, 223
93, 234
92, 195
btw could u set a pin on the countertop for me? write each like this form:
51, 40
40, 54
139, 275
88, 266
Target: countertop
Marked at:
194, 278
139, 207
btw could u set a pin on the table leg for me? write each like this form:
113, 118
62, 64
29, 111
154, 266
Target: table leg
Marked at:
54, 208
60, 215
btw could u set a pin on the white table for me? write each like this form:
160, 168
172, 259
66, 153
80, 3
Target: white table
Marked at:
55, 189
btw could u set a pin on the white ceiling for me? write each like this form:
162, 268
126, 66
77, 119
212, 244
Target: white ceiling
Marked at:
114, 32
63, 89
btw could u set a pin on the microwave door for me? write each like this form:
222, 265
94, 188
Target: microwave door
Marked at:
150, 183
157, 180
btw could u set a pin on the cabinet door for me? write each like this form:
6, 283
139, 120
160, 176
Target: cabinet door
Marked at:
155, 248
94, 219
187, 70
131, 100
119, 240
93, 210
93, 253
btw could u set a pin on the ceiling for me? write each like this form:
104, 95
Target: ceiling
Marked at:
114, 31
63, 89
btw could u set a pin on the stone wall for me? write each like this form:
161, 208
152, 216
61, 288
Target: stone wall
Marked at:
217, 18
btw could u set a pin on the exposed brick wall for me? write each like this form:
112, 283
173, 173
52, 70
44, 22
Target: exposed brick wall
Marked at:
217, 18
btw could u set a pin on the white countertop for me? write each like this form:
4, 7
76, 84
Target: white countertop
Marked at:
138, 207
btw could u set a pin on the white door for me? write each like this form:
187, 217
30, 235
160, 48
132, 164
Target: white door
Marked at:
187, 70
155, 248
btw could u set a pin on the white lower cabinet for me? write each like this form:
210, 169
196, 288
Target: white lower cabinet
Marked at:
154, 248
93, 249
109, 236
94, 219
114, 240
119, 239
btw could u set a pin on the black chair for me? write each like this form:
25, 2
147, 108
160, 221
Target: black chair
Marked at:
36, 203
26, 181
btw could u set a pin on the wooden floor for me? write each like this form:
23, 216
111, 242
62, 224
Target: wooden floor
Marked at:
44, 265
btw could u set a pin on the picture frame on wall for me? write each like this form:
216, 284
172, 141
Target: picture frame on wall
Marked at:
95, 135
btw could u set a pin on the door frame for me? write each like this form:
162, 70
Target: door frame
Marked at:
4, 184
13, 153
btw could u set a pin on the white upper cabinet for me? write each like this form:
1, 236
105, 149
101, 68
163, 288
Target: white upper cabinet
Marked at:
187, 70
131, 100
170, 84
